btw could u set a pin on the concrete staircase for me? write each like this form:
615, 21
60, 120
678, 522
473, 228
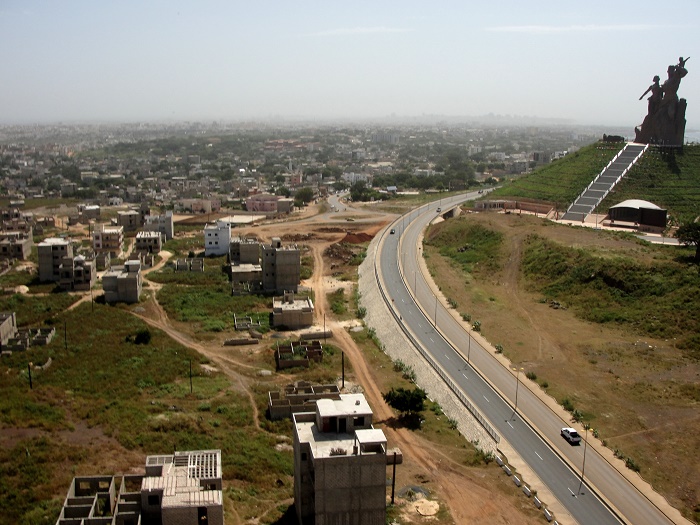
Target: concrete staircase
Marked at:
597, 190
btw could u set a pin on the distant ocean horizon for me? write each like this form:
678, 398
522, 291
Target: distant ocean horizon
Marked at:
692, 136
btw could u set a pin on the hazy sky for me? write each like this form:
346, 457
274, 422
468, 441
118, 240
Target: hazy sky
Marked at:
133, 60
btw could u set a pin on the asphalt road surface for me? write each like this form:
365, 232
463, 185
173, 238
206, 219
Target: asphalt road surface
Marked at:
544, 456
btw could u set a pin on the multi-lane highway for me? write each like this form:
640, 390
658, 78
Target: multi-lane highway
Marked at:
451, 346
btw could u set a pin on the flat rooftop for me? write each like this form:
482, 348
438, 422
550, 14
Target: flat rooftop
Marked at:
348, 404
240, 219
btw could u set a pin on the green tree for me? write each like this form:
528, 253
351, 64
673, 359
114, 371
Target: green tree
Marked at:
304, 195
689, 234
283, 190
406, 401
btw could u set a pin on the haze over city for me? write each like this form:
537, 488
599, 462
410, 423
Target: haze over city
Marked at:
583, 63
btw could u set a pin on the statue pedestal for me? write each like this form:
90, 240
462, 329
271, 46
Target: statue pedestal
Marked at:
665, 126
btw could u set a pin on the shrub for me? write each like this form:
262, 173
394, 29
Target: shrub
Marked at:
476, 326
630, 463
568, 405
531, 376
143, 337
466, 318
499, 348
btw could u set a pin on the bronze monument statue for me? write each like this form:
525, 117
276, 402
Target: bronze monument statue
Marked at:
665, 120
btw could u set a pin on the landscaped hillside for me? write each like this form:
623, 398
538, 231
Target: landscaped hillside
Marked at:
604, 323
561, 181
670, 180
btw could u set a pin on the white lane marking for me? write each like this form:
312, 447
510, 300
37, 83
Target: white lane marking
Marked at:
431, 339
487, 400
539, 457
448, 357
465, 377
511, 426
572, 492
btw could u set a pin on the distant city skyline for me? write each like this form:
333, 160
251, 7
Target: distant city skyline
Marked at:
585, 64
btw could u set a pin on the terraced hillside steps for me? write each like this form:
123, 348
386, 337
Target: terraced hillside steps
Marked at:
597, 190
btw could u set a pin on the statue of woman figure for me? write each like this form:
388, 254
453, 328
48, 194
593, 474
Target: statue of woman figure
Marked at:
656, 95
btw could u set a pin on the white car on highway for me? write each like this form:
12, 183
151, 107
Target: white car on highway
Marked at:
571, 435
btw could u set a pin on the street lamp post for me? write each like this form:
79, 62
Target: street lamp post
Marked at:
586, 426
517, 385
435, 316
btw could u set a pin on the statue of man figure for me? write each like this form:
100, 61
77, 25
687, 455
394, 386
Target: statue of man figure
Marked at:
656, 94
673, 82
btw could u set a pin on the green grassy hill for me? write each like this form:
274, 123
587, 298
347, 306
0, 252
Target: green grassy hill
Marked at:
671, 181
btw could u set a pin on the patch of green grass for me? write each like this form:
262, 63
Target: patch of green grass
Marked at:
307, 267
339, 303
474, 247
210, 276
33, 311
661, 299
212, 307
182, 246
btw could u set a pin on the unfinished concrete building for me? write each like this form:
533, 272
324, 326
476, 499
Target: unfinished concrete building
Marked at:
161, 223
281, 267
8, 327
149, 242
300, 396
269, 268
339, 464
298, 354
130, 220
51, 253
292, 313
123, 285
16, 245
183, 488
77, 274
108, 239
